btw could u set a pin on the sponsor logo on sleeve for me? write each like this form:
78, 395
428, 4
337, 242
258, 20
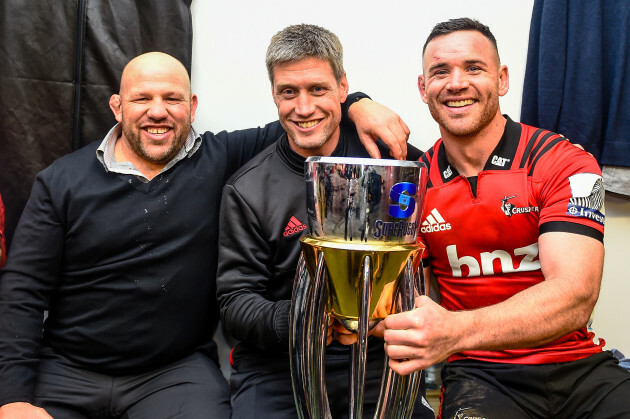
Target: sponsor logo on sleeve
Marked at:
587, 197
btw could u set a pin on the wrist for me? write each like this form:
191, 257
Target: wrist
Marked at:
466, 326
351, 100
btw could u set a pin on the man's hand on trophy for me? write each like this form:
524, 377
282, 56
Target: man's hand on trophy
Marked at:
343, 335
385, 301
417, 339
374, 121
384, 307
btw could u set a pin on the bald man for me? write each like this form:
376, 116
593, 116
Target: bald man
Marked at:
118, 243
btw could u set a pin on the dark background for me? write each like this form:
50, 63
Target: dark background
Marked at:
60, 61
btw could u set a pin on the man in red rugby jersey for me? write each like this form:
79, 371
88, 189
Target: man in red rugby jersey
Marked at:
514, 224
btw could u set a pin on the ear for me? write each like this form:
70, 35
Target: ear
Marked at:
343, 89
115, 104
504, 80
193, 107
422, 88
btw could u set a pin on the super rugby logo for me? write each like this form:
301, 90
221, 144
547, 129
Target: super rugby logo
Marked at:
403, 196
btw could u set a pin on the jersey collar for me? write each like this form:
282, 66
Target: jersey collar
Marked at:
501, 158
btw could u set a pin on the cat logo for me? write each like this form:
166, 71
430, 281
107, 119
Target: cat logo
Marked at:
448, 172
499, 161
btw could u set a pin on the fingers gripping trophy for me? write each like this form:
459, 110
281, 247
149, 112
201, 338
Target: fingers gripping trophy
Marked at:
360, 262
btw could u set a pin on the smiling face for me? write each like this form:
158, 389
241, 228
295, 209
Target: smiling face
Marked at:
309, 100
155, 108
461, 82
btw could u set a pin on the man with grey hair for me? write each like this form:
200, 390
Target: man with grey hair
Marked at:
262, 218
304, 41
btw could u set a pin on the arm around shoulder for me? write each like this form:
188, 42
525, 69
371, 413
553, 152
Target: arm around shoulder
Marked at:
374, 121
242, 145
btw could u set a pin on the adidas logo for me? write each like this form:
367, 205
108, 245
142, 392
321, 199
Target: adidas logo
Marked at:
294, 226
434, 222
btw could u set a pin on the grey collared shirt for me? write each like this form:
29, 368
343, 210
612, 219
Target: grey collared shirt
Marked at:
105, 153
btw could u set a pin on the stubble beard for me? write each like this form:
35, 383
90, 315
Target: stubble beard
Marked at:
135, 143
308, 142
451, 125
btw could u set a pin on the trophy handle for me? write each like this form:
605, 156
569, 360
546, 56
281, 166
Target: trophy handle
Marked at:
302, 294
317, 331
307, 337
398, 393
359, 348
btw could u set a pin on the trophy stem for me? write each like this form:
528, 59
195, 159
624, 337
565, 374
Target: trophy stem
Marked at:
359, 348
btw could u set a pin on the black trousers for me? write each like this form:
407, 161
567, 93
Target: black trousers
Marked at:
268, 393
593, 387
191, 388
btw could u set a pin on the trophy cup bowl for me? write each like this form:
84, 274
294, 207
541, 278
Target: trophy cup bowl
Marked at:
360, 262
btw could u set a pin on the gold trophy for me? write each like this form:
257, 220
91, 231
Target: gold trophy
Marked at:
359, 263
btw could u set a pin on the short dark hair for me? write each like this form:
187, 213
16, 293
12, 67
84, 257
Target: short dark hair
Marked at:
297, 42
461, 24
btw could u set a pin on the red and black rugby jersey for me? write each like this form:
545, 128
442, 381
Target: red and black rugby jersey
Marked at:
482, 234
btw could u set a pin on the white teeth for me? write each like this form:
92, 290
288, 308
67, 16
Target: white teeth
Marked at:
459, 103
307, 124
157, 130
